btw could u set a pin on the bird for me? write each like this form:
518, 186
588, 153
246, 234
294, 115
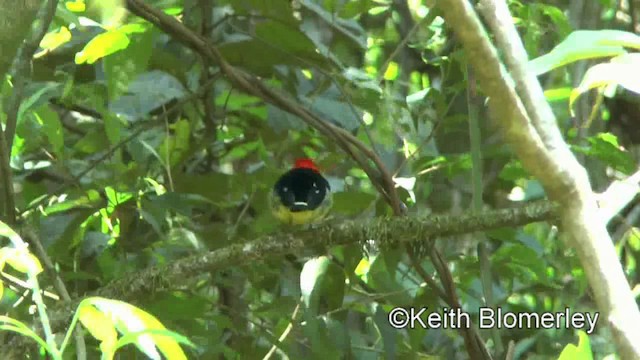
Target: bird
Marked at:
301, 195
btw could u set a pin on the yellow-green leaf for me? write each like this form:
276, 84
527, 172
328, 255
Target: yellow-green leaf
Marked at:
580, 352
102, 45
129, 319
8, 232
55, 38
75, 6
622, 70
22, 260
99, 326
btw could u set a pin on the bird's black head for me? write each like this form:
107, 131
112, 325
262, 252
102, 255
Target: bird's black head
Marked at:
301, 189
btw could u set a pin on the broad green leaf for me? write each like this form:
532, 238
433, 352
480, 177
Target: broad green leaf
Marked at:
281, 121
604, 146
7, 231
585, 44
40, 96
75, 6
622, 70
102, 45
362, 269
287, 39
322, 285
21, 328
520, 260
99, 326
129, 319
55, 38
91, 200
387, 332
337, 111
167, 341
348, 29
352, 203
558, 94
381, 277
580, 352
132, 28
52, 128
21, 260
351, 9
148, 92
557, 17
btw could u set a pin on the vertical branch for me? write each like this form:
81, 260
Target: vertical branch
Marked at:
476, 179
529, 127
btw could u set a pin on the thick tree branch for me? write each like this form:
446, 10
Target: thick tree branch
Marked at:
387, 232
529, 127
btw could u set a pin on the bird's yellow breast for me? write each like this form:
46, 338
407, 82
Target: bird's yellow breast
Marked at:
299, 217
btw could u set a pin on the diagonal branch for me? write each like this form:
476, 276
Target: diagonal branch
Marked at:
387, 232
380, 176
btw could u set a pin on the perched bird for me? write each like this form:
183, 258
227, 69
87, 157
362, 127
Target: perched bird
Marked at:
301, 195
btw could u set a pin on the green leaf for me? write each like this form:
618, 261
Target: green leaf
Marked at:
622, 70
322, 284
351, 9
21, 260
557, 16
337, 111
580, 352
287, 39
585, 44
149, 91
387, 332
138, 327
75, 6
559, 94
100, 327
381, 277
102, 45
21, 328
604, 146
52, 128
40, 96
518, 259
7, 231
352, 203
54, 39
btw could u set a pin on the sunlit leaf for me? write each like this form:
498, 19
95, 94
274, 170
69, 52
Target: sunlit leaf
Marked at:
129, 320
585, 44
559, 94
322, 283
55, 38
102, 45
580, 352
75, 6
21, 260
99, 326
622, 70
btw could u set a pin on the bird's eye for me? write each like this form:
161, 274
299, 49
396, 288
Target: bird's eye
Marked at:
285, 189
315, 185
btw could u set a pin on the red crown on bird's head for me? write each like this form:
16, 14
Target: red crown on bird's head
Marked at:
305, 163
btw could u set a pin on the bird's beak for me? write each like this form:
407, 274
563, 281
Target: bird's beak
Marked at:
299, 206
